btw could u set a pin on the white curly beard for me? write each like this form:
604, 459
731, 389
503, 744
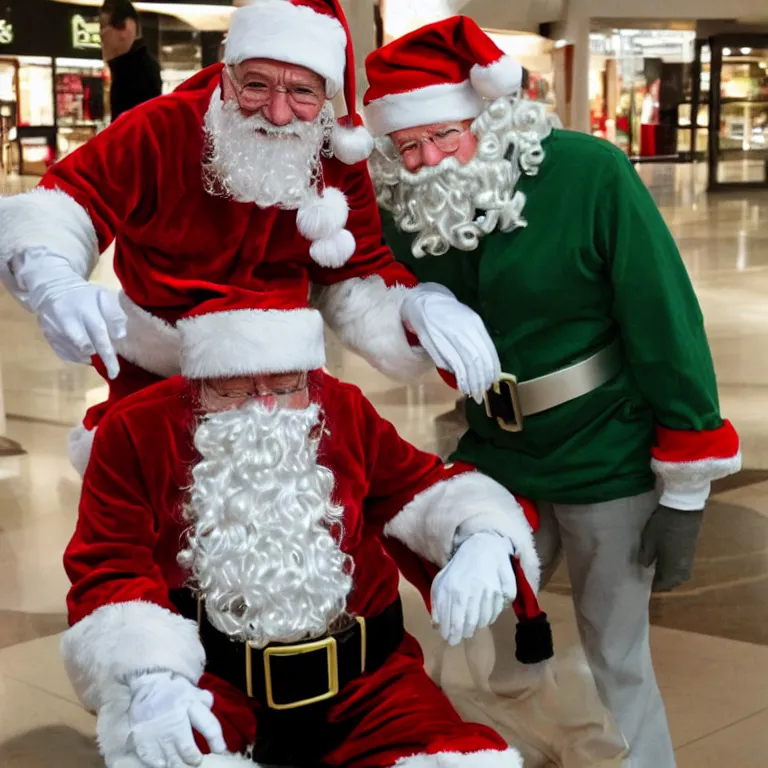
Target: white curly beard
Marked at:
440, 204
253, 161
263, 544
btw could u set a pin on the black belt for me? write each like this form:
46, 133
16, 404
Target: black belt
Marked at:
298, 675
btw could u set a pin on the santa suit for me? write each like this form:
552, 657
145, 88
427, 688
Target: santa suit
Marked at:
122, 562
139, 183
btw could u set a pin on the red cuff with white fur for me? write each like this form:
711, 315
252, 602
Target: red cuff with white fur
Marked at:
717, 447
688, 461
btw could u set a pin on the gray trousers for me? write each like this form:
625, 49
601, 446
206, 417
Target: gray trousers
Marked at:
611, 593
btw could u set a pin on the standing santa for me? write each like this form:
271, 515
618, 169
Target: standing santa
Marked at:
230, 591
243, 171
607, 412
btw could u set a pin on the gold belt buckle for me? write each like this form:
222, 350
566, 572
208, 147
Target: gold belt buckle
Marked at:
327, 644
507, 382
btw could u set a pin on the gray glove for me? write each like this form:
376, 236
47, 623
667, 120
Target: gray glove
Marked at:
669, 540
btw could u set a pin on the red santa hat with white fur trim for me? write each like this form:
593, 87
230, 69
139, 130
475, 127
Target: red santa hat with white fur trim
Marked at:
438, 73
242, 333
312, 34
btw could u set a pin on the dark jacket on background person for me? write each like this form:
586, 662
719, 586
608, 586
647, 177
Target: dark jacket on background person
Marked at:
135, 79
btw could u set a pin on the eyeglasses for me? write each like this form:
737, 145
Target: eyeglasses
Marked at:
255, 93
447, 139
245, 389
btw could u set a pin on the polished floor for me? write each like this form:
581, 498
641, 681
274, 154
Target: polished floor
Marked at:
710, 638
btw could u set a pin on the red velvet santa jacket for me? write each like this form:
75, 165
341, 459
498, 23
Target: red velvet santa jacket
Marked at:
122, 558
140, 183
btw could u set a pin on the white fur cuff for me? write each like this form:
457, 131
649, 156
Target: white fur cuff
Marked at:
487, 758
51, 219
365, 315
451, 511
120, 640
686, 485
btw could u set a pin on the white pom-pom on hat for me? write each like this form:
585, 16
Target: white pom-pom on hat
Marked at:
501, 78
351, 145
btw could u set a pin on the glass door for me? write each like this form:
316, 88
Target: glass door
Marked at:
739, 112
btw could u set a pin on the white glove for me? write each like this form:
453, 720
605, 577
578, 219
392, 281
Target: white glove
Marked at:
165, 708
474, 588
454, 337
78, 319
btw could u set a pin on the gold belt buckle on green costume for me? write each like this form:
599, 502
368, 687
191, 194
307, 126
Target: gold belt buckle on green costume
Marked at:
506, 388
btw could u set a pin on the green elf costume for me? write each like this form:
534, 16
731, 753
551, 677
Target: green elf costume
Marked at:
607, 412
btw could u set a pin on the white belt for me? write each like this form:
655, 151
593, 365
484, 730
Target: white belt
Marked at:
510, 401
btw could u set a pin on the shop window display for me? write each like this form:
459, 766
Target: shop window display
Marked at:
80, 102
641, 91
739, 144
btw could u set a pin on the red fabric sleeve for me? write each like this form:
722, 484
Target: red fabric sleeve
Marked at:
684, 446
115, 173
372, 256
397, 471
110, 558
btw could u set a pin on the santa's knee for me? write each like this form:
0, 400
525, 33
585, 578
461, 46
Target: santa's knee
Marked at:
486, 758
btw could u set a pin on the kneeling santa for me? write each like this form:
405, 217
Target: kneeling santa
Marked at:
232, 602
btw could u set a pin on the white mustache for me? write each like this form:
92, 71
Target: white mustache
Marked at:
261, 124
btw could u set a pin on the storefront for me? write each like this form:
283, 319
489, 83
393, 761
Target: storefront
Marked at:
734, 86
54, 86
641, 89
535, 53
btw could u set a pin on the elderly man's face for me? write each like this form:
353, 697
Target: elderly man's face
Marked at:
429, 145
284, 390
279, 92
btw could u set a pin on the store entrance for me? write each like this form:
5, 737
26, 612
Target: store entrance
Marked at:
738, 121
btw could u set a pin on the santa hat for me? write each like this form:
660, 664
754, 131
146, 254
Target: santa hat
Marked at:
436, 74
241, 332
312, 34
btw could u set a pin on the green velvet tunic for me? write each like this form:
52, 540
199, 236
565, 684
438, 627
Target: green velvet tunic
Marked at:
595, 263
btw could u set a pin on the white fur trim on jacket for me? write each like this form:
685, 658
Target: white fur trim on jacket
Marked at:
365, 315
149, 342
120, 640
44, 218
451, 511
294, 34
433, 104
501, 78
250, 341
351, 145
686, 485
79, 445
487, 758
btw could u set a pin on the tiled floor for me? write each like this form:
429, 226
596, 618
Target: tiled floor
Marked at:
710, 638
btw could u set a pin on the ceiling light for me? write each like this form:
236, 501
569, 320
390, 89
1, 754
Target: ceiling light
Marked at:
726, 51
746, 51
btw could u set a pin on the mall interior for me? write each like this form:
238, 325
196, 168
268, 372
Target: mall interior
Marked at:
680, 86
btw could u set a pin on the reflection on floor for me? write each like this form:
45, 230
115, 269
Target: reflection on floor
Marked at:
710, 638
